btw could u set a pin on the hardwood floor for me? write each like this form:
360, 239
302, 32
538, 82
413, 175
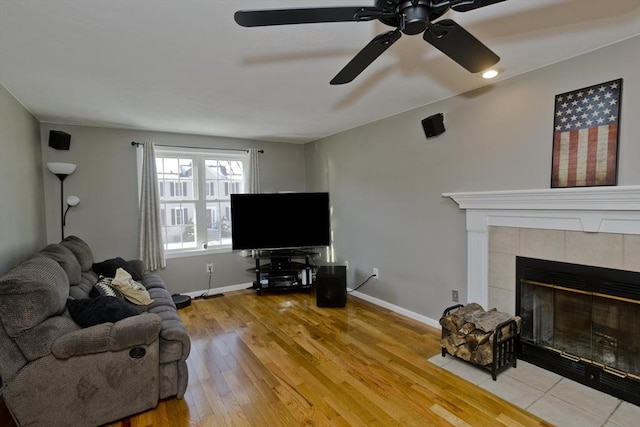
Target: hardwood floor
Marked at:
278, 360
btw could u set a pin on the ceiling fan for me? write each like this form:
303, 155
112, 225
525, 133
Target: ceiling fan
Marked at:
410, 17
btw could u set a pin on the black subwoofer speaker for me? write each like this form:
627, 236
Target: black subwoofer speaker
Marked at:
331, 286
59, 140
433, 125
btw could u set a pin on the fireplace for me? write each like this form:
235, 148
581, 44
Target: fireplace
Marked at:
582, 322
588, 226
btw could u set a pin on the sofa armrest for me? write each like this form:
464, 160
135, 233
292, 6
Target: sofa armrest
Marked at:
173, 331
133, 331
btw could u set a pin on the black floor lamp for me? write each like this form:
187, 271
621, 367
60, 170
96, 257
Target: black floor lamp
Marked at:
62, 170
72, 201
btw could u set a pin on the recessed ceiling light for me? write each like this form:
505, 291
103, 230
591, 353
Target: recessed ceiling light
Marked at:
490, 74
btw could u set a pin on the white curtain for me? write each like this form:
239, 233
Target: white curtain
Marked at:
150, 247
253, 174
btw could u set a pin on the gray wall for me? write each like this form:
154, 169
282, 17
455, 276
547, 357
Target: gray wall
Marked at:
22, 225
106, 182
386, 180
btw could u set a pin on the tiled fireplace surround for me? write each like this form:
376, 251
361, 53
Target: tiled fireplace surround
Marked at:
597, 226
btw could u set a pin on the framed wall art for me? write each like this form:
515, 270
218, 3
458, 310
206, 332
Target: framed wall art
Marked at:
585, 136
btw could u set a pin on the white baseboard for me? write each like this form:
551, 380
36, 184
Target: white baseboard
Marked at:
396, 309
220, 290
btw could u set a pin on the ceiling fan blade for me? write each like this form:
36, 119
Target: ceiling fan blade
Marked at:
466, 5
366, 56
458, 44
260, 18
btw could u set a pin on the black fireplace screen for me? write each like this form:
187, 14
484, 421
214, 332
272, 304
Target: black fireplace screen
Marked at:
582, 322
582, 325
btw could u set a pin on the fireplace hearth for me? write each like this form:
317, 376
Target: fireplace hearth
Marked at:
582, 322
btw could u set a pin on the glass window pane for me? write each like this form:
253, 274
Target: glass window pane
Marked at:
211, 178
213, 224
180, 223
223, 190
170, 166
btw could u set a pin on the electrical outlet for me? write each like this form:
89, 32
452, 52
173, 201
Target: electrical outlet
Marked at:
346, 264
454, 296
376, 272
209, 267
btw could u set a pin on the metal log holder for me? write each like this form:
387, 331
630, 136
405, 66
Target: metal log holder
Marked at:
505, 344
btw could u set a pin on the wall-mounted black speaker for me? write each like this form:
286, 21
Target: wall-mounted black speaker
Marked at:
59, 140
433, 125
331, 286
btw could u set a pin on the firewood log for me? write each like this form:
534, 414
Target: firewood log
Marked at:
458, 339
448, 323
483, 355
448, 344
470, 308
476, 338
505, 330
464, 353
467, 328
455, 320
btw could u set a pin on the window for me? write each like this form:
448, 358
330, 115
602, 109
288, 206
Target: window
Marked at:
211, 189
178, 189
179, 216
231, 187
195, 188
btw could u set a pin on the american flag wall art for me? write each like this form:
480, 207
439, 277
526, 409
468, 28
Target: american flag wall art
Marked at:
585, 136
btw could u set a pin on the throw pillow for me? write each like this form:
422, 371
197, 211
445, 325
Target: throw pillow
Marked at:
104, 288
93, 311
108, 268
132, 290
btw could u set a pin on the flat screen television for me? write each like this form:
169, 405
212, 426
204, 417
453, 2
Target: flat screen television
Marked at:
280, 220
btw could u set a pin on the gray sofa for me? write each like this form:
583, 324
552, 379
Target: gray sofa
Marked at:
59, 374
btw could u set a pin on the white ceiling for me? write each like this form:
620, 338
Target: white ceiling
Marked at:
185, 66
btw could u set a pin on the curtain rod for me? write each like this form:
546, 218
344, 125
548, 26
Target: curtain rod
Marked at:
136, 144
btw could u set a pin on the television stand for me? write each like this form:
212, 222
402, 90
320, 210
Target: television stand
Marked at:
281, 270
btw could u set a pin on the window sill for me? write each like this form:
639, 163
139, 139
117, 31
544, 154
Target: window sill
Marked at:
198, 252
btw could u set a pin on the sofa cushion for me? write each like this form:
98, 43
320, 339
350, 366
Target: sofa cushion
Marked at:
83, 289
108, 268
31, 292
93, 311
66, 259
81, 250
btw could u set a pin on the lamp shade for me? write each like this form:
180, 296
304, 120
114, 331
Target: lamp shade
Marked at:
73, 201
61, 168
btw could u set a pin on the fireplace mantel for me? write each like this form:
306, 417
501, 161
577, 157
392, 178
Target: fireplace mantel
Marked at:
623, 198
613, 209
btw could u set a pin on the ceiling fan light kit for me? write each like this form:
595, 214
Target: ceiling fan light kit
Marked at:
410, 17
490, 74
